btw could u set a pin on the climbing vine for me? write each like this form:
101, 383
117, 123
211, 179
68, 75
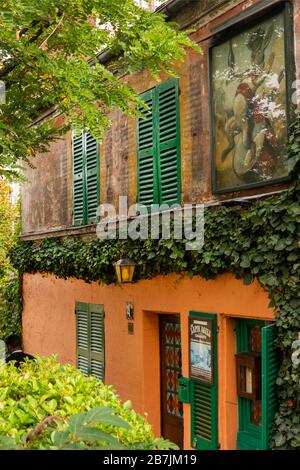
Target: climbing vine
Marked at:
261, 240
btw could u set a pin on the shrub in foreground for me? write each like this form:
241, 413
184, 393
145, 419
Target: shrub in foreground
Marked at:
45, 405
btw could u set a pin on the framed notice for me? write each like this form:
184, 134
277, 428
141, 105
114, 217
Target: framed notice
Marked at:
201, 349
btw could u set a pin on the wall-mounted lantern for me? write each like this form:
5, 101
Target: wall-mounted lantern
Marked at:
125, 268
248, 367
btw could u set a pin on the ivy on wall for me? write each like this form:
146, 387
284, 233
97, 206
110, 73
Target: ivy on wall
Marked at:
259, 241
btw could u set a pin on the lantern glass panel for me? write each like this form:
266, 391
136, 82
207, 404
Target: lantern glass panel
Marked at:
118, 272
125, 273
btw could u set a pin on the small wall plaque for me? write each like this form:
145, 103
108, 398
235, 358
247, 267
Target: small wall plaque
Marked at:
130, 328
129, 311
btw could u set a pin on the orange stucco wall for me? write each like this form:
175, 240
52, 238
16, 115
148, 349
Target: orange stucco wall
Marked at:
132, 361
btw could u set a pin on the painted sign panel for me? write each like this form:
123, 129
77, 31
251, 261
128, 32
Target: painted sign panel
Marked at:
201, 349
248, 75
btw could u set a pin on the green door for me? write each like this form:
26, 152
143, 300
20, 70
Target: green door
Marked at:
256, 417
204, 398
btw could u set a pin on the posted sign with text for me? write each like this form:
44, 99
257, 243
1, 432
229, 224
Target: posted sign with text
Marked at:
201, 349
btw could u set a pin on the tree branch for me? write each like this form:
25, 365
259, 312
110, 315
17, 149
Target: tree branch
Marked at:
40, 427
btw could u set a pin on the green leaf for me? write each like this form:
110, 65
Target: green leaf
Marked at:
268, 279
280, 440
91, 434
74, 446
105, 415
7, 443
76, 422
60, 438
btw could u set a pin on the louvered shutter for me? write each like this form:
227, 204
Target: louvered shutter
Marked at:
90, 339
97, 341
78, 179
146, 152
270, 366
204, 403
83, 355
92, 178
169, 143
203, 411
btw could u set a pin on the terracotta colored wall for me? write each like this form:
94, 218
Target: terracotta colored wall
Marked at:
132, 361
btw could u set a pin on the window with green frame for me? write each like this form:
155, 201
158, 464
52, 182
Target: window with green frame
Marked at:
90, 339
256, 418
85, 160
158, 146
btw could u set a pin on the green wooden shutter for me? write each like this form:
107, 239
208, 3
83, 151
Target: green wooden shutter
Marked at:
92, 178
146, 152
78, 179
168, 143
90, 339
158, 146
204, 403
270, 366
97, 341
83, 355
85, 179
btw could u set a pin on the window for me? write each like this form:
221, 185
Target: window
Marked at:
90, 339
256, 416
85, 158
158, 146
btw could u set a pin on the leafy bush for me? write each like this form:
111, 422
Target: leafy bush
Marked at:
80, 433
10, 306
45, 392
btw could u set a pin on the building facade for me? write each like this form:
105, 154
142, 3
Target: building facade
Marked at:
191, 354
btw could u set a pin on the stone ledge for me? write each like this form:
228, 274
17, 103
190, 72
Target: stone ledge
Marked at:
59, 232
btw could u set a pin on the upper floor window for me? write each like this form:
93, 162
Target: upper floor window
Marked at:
158, 146
85, 156
250, 76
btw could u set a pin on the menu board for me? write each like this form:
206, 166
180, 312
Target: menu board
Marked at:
201, 349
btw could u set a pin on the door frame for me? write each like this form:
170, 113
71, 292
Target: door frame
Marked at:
247, 432
161, 318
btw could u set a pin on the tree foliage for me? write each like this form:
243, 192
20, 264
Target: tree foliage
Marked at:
7, 219
10, 309
44, 50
